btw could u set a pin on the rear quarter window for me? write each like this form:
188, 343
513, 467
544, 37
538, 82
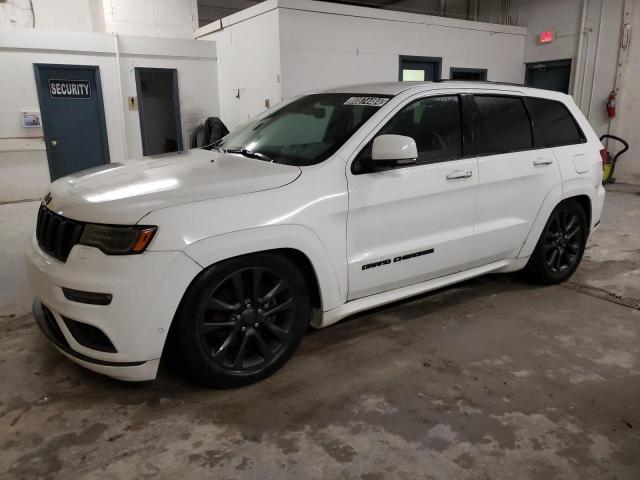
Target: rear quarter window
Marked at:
553, 124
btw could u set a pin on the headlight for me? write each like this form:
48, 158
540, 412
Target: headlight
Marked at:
115, 240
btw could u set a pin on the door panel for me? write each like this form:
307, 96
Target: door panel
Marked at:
514, 178
405, 212
511, 190
411, 224
73, 117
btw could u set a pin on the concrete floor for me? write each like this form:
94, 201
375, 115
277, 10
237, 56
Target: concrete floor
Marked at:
491, 379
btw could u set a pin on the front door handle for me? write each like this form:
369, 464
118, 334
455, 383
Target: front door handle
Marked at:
542, 161
454, 174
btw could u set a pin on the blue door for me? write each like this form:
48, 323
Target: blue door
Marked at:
552, 75
72, 117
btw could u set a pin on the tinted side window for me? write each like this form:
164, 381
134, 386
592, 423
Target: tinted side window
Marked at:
502, 125
434, 123
553, 124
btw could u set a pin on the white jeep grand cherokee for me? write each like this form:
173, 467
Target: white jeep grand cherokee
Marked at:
327, 205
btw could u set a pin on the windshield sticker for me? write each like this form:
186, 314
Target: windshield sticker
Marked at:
367, 101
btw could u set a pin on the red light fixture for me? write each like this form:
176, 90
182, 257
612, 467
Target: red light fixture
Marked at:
547, 36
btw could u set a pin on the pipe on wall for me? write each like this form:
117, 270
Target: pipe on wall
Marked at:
121, 99
623, 56
583, 21
585, 34
595, 61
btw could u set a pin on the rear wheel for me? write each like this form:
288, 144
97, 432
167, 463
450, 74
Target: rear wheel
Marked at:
561, 245
243, 319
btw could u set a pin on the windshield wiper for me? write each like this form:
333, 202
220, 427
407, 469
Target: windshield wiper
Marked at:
249, 154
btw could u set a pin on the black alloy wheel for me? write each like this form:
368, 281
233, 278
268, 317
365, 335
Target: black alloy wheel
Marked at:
242, 320
561, 244
562, 241
247, 319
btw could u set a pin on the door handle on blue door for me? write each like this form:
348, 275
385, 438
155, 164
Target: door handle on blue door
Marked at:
454, 174
542, 161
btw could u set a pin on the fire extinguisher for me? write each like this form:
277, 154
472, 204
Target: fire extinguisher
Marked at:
611, 105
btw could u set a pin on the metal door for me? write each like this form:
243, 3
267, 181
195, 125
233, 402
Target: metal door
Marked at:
553, 75
159, 110
73, 122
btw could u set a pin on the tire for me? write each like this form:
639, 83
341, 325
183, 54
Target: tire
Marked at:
561, 245
242, 320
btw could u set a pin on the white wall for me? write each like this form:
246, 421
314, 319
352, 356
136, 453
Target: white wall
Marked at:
248, 47
627, 122
563, 17
596, 72
198, 87
70, 15
24, 171
23, 163
344, 45
153, 18
282, 48
16, 14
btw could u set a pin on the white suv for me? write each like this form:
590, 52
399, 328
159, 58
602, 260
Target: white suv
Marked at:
326, 205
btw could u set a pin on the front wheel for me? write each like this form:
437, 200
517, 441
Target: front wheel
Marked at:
242, 320
561, 244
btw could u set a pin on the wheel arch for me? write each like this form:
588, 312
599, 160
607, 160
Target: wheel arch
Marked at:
585, 203
297, 243
298, 258
179, 347
553, 199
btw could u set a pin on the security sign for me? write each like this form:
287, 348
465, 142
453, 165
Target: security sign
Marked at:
69, 88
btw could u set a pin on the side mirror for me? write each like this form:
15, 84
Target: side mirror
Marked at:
396, 149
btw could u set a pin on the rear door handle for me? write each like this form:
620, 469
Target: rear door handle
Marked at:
542, 161
454, 174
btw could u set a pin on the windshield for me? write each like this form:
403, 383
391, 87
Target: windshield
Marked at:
305, 131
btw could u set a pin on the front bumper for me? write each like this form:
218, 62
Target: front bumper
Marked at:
146, 290
130, 371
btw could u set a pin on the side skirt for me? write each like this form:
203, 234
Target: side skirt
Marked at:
350, 308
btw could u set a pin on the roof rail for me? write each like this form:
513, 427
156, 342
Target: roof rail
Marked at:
490, 82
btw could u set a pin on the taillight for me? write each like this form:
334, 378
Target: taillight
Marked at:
604, 155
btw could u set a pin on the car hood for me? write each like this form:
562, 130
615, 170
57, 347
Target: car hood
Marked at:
123, 194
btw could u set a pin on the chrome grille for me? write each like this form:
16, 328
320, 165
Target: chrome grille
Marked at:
56, 234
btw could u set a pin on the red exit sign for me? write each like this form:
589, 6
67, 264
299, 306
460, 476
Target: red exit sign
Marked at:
546, 37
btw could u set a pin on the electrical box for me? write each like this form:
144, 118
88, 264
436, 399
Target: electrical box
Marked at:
132, 103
